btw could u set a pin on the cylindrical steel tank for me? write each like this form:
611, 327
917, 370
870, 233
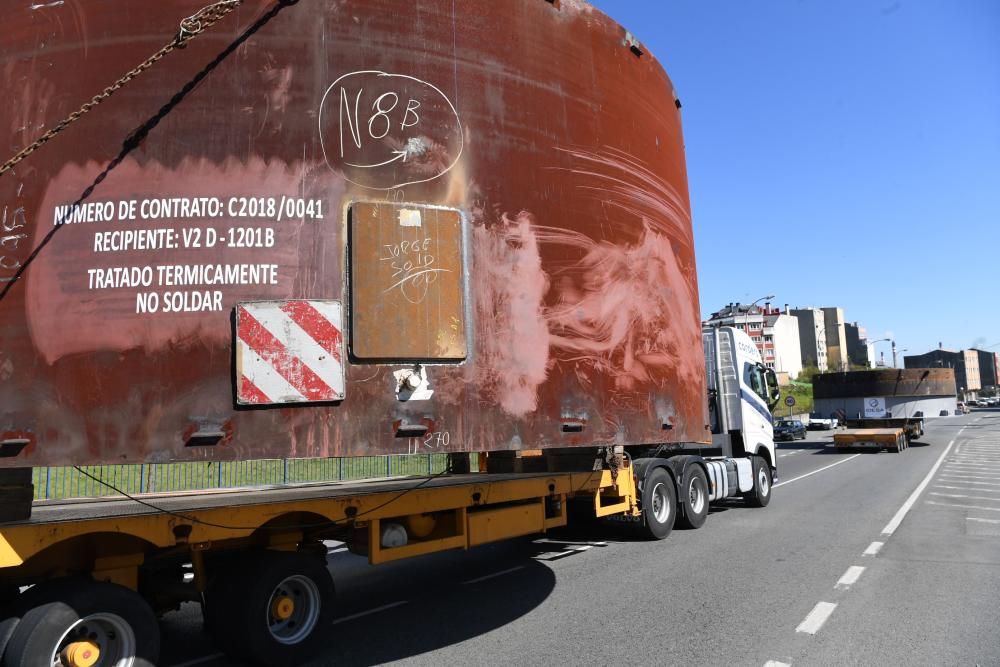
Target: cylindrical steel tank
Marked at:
342, 228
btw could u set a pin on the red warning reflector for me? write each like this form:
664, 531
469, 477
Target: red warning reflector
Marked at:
289, 352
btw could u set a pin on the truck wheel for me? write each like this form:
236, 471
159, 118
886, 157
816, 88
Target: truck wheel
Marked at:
275, 610
659, 503
760, 496
694, 499
86, 623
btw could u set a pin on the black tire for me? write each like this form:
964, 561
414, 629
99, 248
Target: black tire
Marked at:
100, 612
760, 496
694, 499
659, 504
241, 606
7, 627
802, 436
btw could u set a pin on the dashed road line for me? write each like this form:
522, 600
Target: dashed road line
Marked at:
494, 575
369, 612
893, 524
976, 518
964, 488
966, 507
958, 495
873, 549
954, 477
850, 577
964, 476
973, 463
816, 618
775, 663
795, 479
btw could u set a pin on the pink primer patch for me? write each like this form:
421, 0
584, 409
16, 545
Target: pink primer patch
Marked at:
512, 335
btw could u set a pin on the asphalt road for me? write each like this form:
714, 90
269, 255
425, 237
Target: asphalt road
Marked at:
860, 559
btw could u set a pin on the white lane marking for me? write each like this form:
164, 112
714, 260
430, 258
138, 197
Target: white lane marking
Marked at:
816, 618
360, 614
972, 464
775, 663
198, 661
961, 457
955, 480
967, 507
965, 463
975, 518
789, 453
850, 577
964, 476
893, 524
795, 479
495, 574
873, 548
956, 495
546, 540
992, 468
963, 488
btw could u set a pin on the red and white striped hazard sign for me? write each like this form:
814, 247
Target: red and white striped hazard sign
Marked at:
289, 352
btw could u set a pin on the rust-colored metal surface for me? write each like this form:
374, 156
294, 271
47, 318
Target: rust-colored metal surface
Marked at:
888, 382
548, 147
406, 282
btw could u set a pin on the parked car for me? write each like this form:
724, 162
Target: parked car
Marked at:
789, 429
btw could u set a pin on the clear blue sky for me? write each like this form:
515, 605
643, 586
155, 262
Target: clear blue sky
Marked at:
857, 142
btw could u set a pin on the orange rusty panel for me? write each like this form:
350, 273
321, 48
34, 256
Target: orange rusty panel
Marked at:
406, 283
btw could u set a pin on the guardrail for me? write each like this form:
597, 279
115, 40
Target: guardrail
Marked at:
68, 482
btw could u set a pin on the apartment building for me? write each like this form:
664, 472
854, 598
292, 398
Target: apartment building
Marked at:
812, 337
773, 331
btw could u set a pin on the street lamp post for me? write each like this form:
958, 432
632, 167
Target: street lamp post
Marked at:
746, 315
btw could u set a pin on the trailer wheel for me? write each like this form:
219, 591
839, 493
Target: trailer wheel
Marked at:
82, 622
275, 610
760, 496
694, 498
659, 503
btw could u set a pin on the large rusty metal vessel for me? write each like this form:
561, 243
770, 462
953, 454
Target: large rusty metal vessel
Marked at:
332, 228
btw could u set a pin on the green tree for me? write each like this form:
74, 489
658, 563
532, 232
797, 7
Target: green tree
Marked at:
807, 374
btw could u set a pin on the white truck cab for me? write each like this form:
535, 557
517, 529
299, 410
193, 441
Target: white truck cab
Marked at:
742, 392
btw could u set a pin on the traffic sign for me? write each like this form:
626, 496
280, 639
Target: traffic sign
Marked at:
789, 401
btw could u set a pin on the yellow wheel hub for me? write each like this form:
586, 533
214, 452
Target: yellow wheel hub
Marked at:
283, 608
81, 654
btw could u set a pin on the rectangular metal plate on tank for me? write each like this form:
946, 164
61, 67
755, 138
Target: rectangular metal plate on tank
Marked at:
406, 272
289, 352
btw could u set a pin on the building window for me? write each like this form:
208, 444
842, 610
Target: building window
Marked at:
769, 339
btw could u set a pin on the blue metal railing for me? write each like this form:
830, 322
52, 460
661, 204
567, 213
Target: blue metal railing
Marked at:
68, 482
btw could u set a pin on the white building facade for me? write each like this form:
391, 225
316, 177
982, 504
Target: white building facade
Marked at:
774, 332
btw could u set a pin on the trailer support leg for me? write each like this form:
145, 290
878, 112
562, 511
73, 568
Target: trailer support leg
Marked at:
198, 566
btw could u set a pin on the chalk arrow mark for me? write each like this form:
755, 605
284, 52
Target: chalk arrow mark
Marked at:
399, 155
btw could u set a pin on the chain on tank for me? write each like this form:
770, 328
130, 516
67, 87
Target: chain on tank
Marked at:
190, 27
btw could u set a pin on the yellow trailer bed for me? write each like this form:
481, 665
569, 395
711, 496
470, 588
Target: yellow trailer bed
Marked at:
890, 439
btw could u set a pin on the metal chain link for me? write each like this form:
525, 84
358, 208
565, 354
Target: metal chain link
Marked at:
190, 28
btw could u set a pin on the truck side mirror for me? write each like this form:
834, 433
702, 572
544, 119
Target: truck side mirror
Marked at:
774, 391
